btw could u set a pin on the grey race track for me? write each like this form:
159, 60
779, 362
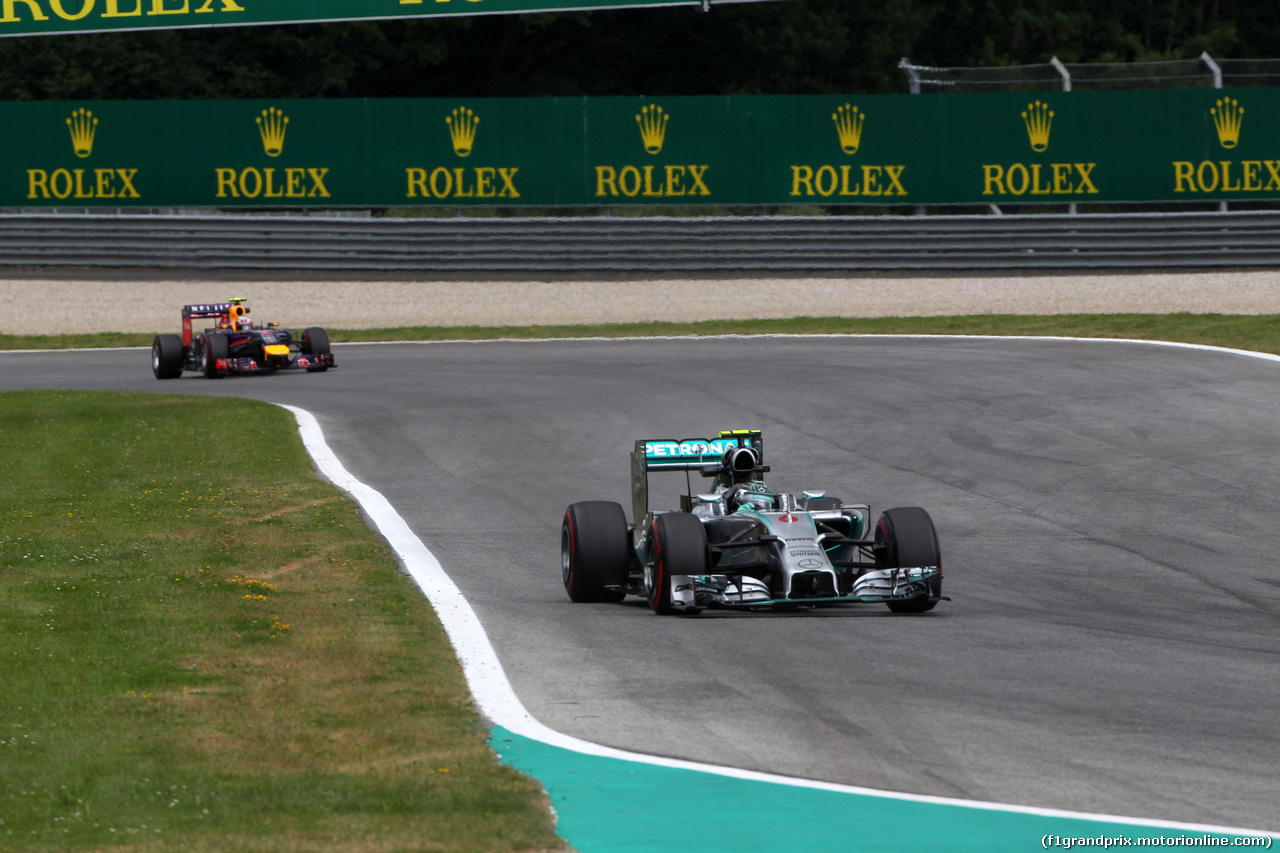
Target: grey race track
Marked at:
1107, 511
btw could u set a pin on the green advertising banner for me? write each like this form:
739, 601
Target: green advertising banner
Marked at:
46, 17
1192, 145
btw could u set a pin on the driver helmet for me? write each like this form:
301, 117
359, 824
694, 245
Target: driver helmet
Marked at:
753, 495
244, 323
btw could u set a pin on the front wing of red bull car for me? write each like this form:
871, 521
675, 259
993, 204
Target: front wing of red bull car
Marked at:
740, 545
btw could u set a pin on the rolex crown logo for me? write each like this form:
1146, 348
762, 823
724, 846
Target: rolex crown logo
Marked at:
1227, 116
1038, 119
462, 130
272, 125
653, 127
849, 127
83, 125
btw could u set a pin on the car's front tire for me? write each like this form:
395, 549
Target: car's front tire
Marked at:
594, 550
906, 538
166, 356
677, 546
315, 341
209, 349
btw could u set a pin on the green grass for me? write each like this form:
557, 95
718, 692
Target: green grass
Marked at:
1260, 332
204, 648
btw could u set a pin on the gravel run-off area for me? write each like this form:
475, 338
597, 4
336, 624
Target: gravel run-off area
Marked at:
48, 305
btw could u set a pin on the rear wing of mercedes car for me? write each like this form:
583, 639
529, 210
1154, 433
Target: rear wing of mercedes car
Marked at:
687, 454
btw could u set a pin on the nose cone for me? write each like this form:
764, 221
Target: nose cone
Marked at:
801, 551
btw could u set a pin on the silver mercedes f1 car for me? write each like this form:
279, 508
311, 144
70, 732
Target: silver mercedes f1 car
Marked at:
740, 545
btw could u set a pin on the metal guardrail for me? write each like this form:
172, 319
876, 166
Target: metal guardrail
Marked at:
845, 244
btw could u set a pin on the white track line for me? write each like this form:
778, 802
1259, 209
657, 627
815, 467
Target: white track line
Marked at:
496, 699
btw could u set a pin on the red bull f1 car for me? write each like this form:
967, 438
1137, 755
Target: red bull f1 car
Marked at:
235, 344
740, 545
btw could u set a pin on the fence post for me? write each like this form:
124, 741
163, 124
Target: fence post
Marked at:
1062, 69
1213, 68
913, 78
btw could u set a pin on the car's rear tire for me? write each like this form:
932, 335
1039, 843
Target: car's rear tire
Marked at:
315, 341
209, 349
594, 551
166, 356
677, 546
906, 537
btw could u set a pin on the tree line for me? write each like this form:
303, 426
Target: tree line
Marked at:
781, 47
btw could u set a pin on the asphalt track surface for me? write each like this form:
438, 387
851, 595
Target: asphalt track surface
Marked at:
1106, 510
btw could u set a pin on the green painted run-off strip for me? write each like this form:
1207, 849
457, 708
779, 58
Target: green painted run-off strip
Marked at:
609, 805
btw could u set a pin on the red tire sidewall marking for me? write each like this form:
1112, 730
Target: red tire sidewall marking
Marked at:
658, 570
573, 552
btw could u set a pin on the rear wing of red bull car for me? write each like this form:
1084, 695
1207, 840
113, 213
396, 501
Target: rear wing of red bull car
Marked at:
206, 311
687, 454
